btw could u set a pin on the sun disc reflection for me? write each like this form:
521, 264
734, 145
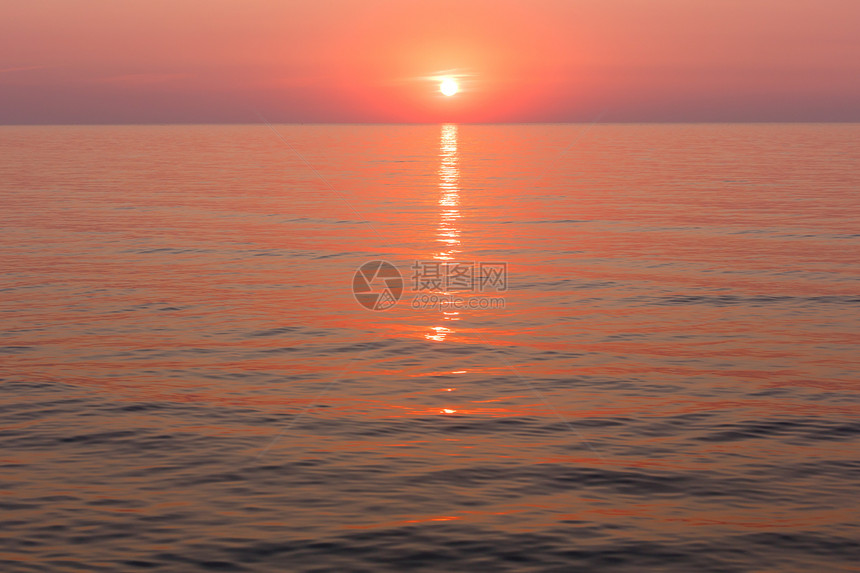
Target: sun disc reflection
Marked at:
449, 199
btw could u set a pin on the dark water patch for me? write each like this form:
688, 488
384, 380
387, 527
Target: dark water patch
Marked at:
142, 440
472, 350
534, 285
282, 350
843, 472
747, 301
16, 349
275, 331
545, 479
785, 546
361, 347
545, 222
291, 332
18, 506
532, 426
242, 254
145, 354
447, 547
168, 250
21, 411
790, 429
556, 355
623, 386
322, 221
96, 437
680, 426
335, 256
144, 407
139, 564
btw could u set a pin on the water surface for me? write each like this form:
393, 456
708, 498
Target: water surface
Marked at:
188, 383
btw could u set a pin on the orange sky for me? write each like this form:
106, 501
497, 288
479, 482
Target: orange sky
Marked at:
106, 61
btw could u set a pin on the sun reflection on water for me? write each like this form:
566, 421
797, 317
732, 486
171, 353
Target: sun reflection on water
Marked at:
448, 231
438, 333
449, 199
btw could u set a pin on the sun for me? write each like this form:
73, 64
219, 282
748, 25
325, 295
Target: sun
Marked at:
449, 87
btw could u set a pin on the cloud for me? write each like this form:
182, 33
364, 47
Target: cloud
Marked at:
453, 73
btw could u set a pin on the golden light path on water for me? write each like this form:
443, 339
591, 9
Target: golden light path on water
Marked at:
449, 196
449, 215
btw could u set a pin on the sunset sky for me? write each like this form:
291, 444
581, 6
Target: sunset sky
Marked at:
189, 61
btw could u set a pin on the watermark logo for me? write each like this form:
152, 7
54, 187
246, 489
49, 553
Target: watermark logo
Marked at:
429, 301
459, 276
377, 285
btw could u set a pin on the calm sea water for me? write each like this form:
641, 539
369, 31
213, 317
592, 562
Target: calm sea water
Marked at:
188, 382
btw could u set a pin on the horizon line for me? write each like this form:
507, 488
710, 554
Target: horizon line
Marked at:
393, 123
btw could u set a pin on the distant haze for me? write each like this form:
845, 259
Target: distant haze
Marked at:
210, 61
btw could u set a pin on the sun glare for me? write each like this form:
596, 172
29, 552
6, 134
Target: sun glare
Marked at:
448, 87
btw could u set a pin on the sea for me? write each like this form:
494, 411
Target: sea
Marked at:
543, 347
